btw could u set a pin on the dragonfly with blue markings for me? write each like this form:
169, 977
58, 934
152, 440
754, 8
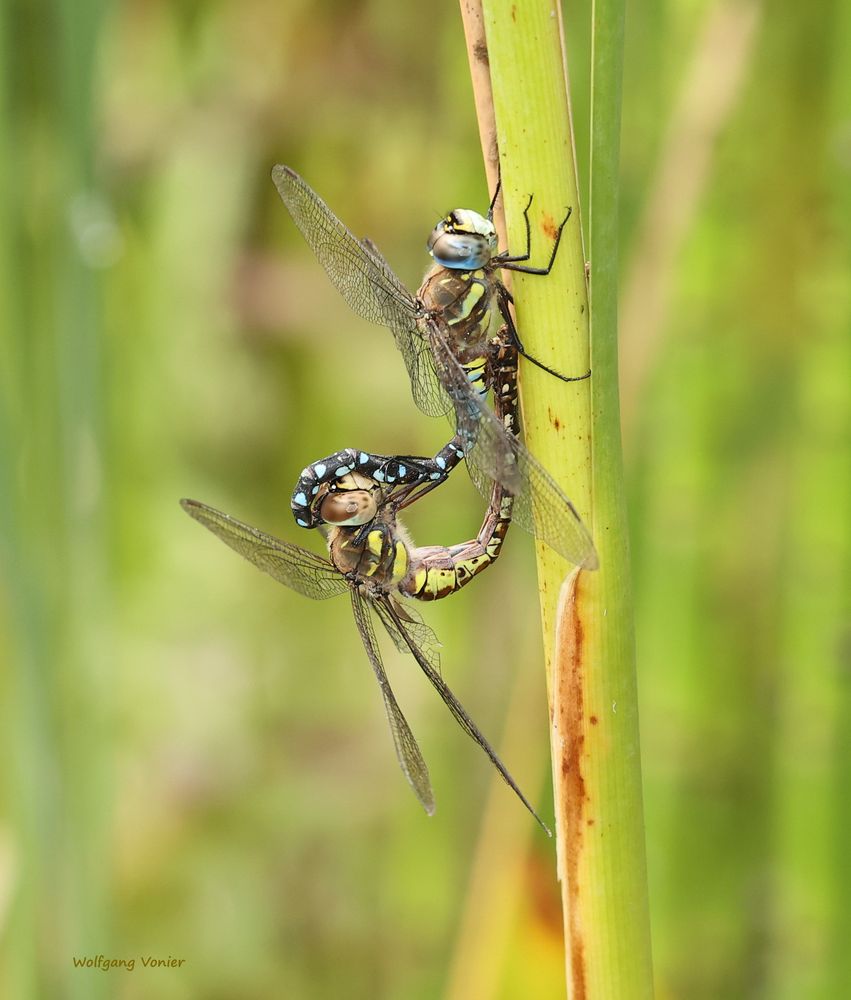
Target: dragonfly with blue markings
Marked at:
354, 497
371, 558
457, 338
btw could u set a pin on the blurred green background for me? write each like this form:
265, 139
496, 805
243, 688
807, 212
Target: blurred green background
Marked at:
196, 760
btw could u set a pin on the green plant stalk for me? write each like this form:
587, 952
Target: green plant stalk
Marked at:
26, 647
574, 430
83, 671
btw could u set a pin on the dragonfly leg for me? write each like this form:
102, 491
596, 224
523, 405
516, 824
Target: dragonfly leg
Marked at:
515, 263
411, 478
515, 341
518, 258
497, 189
436, 470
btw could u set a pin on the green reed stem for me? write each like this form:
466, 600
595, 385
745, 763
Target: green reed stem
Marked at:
574, 430
52, 529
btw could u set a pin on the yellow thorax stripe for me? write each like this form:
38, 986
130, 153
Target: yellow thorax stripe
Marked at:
474, 294
374, 544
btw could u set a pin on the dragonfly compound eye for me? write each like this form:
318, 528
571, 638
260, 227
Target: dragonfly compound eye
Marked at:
463, 240
348, 507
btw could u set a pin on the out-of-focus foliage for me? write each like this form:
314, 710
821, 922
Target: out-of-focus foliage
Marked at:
196, 759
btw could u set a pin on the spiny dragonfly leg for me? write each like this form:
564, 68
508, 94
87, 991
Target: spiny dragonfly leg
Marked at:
505, 298
515, 262
437, 469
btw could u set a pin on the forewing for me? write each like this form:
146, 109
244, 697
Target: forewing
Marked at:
365, 280
407, 751
492, 453
295, 567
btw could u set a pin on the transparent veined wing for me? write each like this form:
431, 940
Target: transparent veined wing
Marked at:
423, 635
291, 565
492, 453
365, 280
407, 751
460, 713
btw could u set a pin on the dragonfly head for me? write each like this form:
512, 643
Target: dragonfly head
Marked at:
350, 500
463, 240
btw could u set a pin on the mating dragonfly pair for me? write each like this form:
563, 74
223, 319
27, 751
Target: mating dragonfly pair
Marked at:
459, 343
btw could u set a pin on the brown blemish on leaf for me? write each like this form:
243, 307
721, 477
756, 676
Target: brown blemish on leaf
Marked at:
555, 423
514, 13
593, 720
480, 51
569, 698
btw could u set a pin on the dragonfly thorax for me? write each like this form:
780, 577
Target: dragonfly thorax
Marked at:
377, 559
465, 304
463, 240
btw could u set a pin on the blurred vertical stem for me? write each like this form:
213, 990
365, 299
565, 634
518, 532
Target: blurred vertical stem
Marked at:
84, 672
54, 866
575, 430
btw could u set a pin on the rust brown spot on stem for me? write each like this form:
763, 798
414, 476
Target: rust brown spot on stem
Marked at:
593, 720
573, 794
550, 227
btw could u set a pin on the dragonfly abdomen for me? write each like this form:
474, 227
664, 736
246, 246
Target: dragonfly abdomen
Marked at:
436, 571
